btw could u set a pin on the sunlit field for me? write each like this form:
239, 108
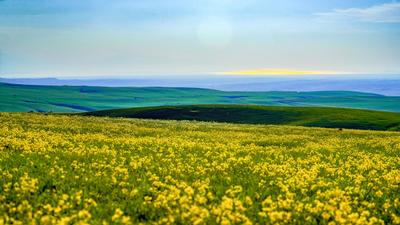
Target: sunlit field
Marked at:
58, 169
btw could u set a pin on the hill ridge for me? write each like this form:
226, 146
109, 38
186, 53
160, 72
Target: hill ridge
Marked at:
25, 98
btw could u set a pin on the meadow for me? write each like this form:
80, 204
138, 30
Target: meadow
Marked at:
25, 98
58, 169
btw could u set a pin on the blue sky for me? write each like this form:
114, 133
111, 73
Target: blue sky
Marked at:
132, 37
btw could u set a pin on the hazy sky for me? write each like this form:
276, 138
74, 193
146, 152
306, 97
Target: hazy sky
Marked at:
139, 37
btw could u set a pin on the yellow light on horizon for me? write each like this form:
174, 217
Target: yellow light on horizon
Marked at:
277, 72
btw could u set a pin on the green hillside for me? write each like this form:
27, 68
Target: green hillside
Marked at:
250, 114
24, 98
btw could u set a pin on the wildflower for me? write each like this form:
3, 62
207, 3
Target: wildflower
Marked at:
117, 215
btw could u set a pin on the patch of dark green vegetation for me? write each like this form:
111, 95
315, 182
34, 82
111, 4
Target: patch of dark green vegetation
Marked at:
251, 114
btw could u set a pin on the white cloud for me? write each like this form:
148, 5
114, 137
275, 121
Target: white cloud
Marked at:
384, 13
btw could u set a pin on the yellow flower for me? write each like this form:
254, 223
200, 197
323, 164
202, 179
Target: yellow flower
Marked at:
117, 215
379, 194
84, 214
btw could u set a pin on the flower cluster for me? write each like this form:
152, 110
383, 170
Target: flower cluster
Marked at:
58, 169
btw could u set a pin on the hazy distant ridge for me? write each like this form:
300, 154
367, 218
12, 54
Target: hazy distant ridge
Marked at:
390, 87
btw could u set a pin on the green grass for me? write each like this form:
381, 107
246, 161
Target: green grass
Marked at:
251, 114
24, 98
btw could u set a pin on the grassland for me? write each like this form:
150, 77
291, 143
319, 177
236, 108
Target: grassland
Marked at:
24, 98
59, 169
278, 115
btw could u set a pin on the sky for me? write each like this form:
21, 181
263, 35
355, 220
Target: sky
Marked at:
68, 38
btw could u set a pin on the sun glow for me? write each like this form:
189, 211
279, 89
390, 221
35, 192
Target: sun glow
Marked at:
277, 72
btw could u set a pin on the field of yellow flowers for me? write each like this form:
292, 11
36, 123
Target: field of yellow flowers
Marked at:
59, 169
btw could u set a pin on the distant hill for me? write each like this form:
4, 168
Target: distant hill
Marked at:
24, 98
387, 85
250, 114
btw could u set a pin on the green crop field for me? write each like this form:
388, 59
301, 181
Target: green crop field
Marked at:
58, 169
251, 114
24, 98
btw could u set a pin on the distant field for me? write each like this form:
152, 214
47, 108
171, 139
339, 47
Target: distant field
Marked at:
24, 98
250, 114
88, 170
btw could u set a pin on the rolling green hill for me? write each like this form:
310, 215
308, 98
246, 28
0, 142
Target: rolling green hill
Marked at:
24, 98
251, 114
